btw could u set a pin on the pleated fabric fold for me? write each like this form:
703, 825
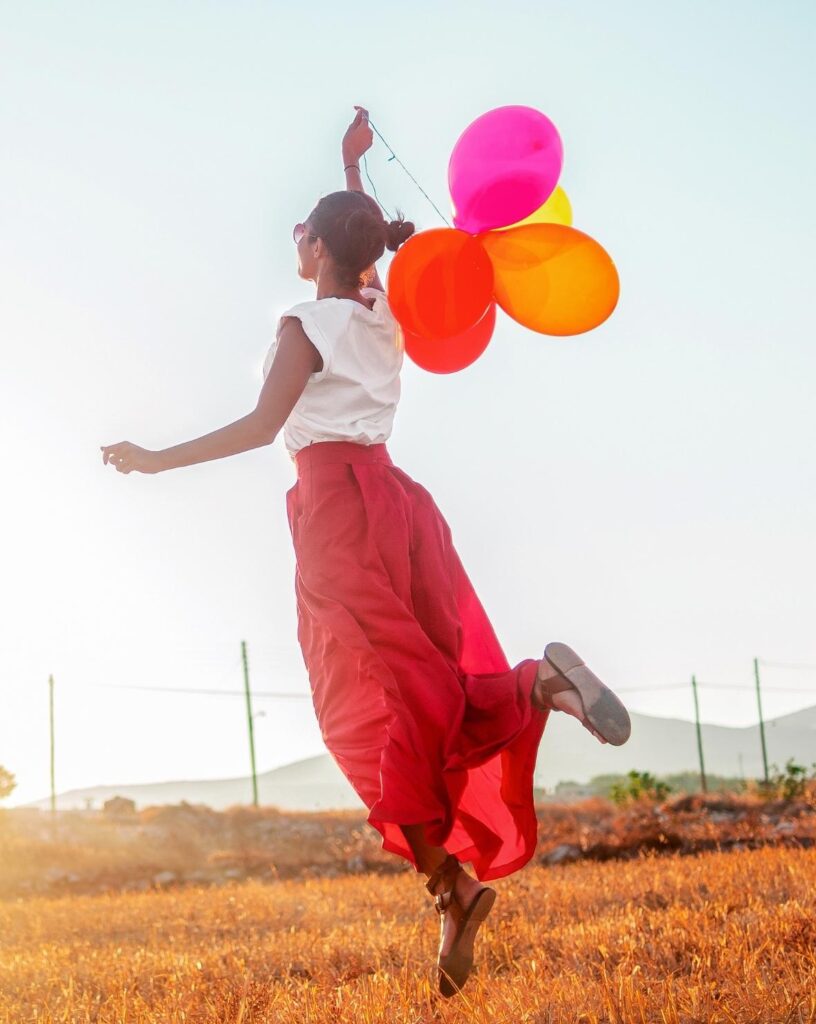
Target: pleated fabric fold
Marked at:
414, 696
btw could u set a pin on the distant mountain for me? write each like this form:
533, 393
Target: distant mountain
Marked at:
314, 784
804, 719
662, 746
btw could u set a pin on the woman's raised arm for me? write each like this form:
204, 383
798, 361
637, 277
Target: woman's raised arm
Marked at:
356, 141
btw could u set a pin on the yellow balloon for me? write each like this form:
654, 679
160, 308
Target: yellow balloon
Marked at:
557, 210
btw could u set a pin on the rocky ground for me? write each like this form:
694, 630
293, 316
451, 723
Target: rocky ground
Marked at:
87, 852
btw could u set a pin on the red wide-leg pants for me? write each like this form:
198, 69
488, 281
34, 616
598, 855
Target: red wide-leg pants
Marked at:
415, 699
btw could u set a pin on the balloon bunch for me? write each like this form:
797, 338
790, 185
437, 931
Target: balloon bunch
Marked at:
512, 245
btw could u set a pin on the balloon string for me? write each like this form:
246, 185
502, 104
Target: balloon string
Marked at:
413, 179
374, 188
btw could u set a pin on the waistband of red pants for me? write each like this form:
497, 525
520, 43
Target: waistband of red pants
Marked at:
321, 452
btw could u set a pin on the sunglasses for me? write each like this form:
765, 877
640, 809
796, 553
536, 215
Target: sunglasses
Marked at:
299, 232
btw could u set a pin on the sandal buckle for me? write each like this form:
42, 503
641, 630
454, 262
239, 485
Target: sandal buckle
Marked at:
442, 901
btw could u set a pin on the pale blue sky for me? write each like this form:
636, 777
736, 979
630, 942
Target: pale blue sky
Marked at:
646, 493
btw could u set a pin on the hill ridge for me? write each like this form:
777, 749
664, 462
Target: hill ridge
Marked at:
568, 752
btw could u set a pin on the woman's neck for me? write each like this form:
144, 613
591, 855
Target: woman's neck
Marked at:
328, 288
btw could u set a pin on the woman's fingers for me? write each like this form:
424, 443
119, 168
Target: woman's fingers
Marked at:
361, 118
359, 136
129, 458
111, 451
117, 454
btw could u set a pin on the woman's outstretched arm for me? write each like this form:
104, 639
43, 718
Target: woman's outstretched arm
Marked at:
295, 359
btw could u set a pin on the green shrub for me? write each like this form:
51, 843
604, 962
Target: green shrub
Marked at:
7, 782
790, 784
639, 786
678, 782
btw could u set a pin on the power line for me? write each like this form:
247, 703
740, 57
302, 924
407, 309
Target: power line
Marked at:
212, 691
200, 690
287, 696
766, 689
713, 686
787, 664
651, 689
787, 689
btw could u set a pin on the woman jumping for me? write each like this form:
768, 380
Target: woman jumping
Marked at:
415, 699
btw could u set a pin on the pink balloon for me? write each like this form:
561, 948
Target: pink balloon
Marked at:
503, 167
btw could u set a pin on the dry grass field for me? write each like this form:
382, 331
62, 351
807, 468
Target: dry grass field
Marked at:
717, 937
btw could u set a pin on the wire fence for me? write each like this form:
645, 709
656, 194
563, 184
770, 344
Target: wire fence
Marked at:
192, 653
240, 664
653, 689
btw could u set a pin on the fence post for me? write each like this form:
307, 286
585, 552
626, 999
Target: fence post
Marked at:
703, 780
761, 721
250, 722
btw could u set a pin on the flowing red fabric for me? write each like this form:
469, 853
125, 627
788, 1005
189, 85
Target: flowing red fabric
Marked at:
415, 699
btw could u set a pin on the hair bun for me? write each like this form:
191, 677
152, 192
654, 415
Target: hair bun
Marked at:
397, 232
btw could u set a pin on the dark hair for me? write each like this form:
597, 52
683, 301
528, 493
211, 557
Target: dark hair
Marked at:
356, 233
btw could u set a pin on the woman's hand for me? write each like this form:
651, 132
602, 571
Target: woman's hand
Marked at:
358, 137
127, 457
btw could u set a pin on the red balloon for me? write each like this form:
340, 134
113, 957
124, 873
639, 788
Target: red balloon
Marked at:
452, 354
440, 283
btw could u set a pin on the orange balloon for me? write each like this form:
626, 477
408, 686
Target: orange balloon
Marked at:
552, 278
452, 354
440, 283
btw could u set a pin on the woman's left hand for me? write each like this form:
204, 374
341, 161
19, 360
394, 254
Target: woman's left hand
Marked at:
127, 457
358, 137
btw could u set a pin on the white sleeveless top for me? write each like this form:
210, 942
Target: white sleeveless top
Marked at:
355, 395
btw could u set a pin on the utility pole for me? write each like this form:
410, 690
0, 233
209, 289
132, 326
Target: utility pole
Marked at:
761, 721
249, 720
51, 725
703, 780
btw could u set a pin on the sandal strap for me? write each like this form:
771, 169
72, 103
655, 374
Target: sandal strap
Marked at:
555, 684
442, 900
545, 689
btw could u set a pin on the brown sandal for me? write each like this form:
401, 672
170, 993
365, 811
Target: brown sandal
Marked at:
603, 711
457, 963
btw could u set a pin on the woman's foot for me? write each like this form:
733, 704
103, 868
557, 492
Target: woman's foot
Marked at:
565, 683
463, 904
466, 889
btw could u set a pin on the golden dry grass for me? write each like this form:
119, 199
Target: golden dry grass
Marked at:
675, 940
